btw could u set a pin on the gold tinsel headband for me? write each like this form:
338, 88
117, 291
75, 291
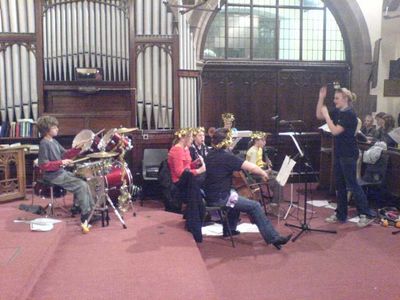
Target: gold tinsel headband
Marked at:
197, 130
226, 142
183, 132
258, 135
228, 117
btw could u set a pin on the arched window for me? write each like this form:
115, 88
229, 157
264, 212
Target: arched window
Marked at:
302, 30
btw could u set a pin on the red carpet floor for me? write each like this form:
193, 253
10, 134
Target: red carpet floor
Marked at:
156, 259
153, 259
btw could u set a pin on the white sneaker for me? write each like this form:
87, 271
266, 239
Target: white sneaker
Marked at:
332, 219
364, 221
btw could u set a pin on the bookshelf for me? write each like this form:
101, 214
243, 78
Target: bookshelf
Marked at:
21, 128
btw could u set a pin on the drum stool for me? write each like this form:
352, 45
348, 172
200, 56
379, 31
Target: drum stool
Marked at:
53, 203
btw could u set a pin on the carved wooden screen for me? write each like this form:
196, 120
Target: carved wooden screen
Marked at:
257, 93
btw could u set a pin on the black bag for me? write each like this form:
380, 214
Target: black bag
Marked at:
168, 188
35, 209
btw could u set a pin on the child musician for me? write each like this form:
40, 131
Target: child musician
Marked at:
52, 160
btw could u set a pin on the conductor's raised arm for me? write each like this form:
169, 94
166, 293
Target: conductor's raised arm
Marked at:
321, 99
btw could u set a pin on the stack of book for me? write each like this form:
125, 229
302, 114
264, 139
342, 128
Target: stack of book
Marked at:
21, 128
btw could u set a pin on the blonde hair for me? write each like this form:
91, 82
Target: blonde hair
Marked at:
181, 133
198, 130
348, 94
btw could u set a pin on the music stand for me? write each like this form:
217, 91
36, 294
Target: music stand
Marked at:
303, 162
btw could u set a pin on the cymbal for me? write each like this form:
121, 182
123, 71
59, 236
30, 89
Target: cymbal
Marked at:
102, 154
126, 130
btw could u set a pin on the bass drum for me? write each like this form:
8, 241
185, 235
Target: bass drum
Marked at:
114, 180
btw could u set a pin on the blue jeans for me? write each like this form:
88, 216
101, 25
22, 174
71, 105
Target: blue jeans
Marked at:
257, 215
346, 180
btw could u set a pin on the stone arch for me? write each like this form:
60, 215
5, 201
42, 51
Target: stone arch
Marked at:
355, 33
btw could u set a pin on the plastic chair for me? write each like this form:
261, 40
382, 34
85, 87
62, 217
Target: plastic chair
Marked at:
152, 159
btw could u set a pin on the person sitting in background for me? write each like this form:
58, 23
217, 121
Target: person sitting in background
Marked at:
182, 166
379, 126
368, 128
217, 186
198, 148
52, 160
210, 133
387, 126
187, 177
255, 156
228, 119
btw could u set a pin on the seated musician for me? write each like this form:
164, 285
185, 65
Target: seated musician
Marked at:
229, 119
198, 147
181, 165
220, 167
255, 156
52, 160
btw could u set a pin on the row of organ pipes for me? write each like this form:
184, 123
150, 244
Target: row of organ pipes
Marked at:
86, 34
95, 34
18, 86
188, 85
154, 66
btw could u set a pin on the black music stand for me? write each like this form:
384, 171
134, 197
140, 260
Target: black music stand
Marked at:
304, 163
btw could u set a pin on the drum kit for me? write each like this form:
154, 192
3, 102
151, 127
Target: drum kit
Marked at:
103, 166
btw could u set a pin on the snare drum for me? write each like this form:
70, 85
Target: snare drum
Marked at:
113, 141
114, 180
92, 169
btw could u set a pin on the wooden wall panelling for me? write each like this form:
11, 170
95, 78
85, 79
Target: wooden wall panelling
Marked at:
263, 100
101, 110
290, 95
238, 93
214, 92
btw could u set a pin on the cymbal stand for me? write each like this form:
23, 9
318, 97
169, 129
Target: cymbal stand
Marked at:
102, 201
102, 204
126, 195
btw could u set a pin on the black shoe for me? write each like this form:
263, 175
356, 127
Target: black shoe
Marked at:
233, 232
75, 210
281, 240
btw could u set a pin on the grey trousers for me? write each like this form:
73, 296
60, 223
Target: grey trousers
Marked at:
82, 194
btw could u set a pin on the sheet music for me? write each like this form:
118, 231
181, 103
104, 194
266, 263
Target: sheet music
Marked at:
286, 169
234, 143
325, 128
